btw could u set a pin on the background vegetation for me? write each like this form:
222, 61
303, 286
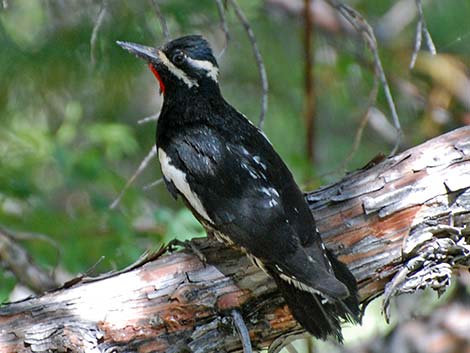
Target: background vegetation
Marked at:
69, 138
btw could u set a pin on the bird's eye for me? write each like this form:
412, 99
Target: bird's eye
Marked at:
178, 57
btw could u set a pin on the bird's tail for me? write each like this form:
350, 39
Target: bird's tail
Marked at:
319, 315
343, 274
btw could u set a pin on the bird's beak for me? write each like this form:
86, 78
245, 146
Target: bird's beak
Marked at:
149, 54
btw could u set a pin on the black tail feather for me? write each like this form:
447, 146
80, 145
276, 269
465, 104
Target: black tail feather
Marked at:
322, 318
343, 274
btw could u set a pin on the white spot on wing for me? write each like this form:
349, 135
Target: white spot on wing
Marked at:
178, 178
273, 194
250, 170
269, 191
257, 160
176, 71
245, 151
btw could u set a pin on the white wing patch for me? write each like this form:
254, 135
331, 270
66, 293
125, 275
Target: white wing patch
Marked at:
272, 194
176, 71
178, 178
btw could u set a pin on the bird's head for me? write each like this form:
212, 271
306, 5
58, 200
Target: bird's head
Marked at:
184, 63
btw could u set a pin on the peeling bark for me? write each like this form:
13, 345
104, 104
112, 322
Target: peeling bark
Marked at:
401, 225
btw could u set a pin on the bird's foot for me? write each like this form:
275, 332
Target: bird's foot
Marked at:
188, 245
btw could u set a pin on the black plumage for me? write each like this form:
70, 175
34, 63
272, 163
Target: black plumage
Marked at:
238, 186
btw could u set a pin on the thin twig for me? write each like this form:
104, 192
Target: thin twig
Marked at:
367, 33
363, 123
242, 331
419, 36
161, 18
91, 270
421, 28
223, 25
87, 274
429, 41
259, 60
391, 103
427, 35
22, 235
96, 29
142, 166
153, 184
19, 262
309, 95
148, 119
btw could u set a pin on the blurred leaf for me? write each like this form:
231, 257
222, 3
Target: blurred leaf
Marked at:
116, 139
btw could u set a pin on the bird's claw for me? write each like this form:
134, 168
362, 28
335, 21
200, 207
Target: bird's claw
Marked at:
188, 245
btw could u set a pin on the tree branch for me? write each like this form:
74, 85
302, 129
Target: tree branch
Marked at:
16, 259
162, 20
400, 225
421, 28
367, 34
309, 93
223, 26
259, 60
152, 154
96, 29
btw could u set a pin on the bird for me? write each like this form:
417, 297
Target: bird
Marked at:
230, 176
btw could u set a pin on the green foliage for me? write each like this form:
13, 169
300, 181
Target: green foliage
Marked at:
8, 283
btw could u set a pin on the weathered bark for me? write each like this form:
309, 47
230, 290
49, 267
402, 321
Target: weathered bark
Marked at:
400, 225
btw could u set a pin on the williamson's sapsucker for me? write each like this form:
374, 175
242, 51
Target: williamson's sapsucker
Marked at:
237, 186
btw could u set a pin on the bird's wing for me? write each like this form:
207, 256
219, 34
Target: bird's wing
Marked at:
246, 192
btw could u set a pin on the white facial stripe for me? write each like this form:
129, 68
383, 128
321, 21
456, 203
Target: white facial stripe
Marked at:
176, 71
210, 68
178, 178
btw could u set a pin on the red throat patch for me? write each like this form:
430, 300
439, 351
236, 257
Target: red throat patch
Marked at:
157, 75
